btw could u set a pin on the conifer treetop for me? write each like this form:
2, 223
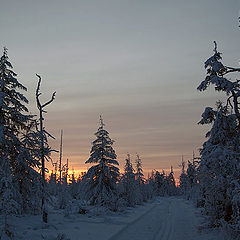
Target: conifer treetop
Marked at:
101, 122
138, 162
128, 165
7, 77
13, 117
102, 150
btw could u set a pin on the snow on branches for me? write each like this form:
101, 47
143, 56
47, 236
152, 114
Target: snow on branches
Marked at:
102, 177
219, 165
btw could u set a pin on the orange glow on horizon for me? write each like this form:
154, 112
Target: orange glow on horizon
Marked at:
147, 173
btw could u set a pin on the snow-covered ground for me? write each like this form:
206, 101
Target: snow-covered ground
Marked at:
168, 218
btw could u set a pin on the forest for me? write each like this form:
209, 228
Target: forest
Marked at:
211, 181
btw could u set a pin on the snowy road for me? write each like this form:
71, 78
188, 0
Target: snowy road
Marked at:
167, 219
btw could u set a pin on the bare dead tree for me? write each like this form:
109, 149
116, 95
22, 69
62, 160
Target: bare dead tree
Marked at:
60, 158
41, 107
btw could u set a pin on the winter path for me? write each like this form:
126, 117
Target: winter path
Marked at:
167, 218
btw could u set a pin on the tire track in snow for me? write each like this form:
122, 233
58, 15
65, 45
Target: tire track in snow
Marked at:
166, 228
179, 222
145, 226
170, 218
115, 236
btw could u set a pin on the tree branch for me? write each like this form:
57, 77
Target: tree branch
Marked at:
38, 94
229, 102
37, 91
231, 69
53, 97
215, 46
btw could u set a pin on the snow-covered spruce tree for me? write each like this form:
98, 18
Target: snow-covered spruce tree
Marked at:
129, 183
52, 182
53, 186
139, 170
171, 183
73, 186
192, 180
26, 176
160, 184
8, 205
219, 164
100, 180
64, 196
14, 123
149, 186
141, 191
183, 183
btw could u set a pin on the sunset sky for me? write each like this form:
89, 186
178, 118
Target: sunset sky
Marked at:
137, 63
